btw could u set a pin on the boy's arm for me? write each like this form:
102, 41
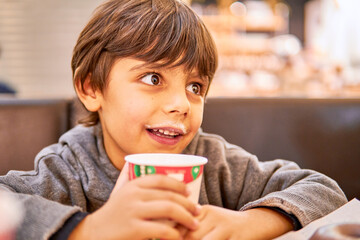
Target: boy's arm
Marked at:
236, 180
64, 232
279, 196
49, 196
241, 182
304, 193
42, 217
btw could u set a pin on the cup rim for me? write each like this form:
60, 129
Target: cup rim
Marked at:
156, 159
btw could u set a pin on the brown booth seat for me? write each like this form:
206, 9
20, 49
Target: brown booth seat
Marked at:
26, 126
320, 134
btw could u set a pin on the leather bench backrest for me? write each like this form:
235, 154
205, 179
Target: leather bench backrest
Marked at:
27, 126
320, 134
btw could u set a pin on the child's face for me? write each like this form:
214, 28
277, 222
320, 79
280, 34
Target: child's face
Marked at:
144, 109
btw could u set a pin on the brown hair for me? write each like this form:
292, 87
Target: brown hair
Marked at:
154, 31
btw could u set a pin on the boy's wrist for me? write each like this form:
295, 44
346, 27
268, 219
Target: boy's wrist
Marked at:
294, 220
78, 231
72, 229
274, 223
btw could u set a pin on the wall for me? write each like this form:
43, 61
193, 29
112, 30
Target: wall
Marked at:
37, 38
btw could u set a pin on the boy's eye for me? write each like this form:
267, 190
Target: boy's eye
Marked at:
151, 79
194, 88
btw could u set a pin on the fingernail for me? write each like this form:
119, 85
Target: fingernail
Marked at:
195, 223
197, 209
188, 191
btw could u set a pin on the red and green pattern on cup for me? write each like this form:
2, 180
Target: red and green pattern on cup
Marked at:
185, 174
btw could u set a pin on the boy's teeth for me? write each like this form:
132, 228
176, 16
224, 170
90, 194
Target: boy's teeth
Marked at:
162, 132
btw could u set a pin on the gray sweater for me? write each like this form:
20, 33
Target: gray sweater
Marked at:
76, 175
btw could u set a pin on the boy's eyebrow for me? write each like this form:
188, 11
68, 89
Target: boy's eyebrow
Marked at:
144, 65
195, 74
204, 79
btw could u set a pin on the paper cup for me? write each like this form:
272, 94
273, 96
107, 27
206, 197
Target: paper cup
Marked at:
11, 213
185, 168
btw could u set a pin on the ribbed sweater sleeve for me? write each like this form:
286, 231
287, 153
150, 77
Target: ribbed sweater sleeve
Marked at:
237, 180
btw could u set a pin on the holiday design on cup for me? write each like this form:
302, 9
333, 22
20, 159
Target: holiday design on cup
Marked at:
183, 174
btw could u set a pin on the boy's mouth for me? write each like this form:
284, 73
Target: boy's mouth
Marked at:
165, 132
167, 135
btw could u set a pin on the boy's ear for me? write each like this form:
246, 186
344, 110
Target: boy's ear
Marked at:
88, 96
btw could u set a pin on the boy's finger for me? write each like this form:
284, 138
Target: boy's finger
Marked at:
169, 210
163, 182
155, 195
182, 230
155, 229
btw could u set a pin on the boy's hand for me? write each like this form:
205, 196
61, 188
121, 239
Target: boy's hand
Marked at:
219, 223
133, 208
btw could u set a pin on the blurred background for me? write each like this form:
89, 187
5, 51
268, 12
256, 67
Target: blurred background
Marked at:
267, 48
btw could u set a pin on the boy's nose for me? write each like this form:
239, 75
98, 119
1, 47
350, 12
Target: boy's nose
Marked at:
177, 103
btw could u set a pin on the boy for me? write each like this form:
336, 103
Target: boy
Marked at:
143, 68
